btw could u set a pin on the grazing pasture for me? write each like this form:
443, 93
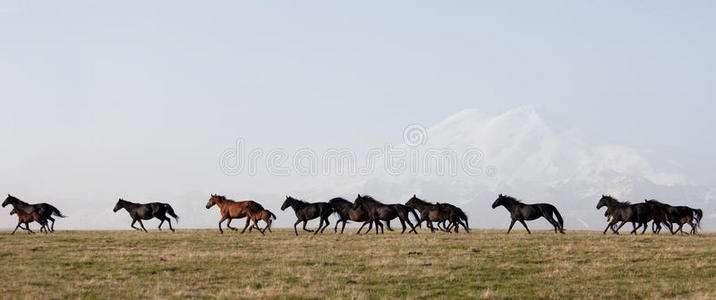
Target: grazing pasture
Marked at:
483, 264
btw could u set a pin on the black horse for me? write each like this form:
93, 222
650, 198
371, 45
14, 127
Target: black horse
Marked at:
640, 213
439, 213
140, 212
308, 211
521, 212
680, 215
660, 217
379, 211
44, 210
345, 211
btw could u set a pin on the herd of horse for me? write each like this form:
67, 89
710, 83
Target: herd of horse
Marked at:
369, 211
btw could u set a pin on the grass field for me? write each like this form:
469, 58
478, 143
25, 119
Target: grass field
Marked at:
483, 264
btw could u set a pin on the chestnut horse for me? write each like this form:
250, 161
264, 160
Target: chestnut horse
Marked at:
264, 215
231, 209
27, 218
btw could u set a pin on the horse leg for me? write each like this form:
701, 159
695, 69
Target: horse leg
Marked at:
361, 227
412, 228
326, 226
160, 224
27, 224
221, 221
170, 224
228, 224
525, 225
294, 227
134, 221
402, 223
320, 225
335, 229
646, 225
344, 226
620, 227
52, 228
142, 224
248, 221
387, 223
511, 224
554, 223
16, 227
304, 226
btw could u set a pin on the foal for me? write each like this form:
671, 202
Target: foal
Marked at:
27, 218
264, 215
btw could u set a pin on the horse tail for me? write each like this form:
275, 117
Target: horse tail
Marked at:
698, 214
170, 211
559, 218
463, 216
56, 211
272, 215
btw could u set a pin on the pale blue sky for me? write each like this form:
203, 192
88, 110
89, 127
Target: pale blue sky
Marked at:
108, 97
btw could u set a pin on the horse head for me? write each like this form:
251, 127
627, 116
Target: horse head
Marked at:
286, 203
605, 201
119, 205
214, 200
501, 200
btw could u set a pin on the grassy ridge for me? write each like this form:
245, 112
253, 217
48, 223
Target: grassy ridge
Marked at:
485, 263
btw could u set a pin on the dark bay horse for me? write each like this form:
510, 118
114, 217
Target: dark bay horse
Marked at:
526, 212
44, 210
624, 212
457, 217
231, 209
140, 212
679, 215
379, 211
439, 213
308, 211
27, 218
345, 211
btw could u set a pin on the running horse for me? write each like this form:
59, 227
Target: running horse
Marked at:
527, 212
231, 209
140, 212
27, 218
44, 210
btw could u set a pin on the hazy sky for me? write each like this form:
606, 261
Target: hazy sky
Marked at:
139, 98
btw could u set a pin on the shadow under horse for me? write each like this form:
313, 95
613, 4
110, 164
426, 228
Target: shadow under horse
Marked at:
306, 211
140, 212
527, 212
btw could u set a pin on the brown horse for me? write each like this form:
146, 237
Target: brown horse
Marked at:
264, 215
27, 218
231, 209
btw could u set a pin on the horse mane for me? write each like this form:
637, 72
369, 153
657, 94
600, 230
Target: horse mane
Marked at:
615, 201
298, 200
420, 201
511, 199
13, 198
369, 199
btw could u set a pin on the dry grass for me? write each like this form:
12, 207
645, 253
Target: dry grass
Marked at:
483, 264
